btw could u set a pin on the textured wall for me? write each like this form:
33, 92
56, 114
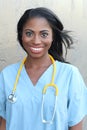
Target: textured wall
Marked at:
73, 13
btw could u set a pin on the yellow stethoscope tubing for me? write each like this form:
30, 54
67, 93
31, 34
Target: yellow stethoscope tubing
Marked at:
12, 97
46, 86
18, 74
52, 84
52, 81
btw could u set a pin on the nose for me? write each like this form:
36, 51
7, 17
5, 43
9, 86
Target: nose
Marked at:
37, 39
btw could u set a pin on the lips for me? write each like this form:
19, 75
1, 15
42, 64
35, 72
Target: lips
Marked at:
36, 49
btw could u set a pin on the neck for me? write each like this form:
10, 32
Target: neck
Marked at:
44, 61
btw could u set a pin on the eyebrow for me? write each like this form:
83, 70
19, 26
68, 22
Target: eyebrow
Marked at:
33, 30
28, 30
44, 31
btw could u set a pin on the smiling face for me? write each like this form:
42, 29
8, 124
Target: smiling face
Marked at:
37, 37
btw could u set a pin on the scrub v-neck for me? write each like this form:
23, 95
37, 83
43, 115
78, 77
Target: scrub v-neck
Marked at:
44, 78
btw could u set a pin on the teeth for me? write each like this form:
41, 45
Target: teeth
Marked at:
37, 49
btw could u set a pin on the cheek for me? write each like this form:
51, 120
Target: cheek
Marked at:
50, 40
24, 39
48, 44
24, 42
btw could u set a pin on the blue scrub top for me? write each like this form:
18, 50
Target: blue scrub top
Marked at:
25, 113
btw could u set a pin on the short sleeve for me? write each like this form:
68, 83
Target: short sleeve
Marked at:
2, 97
77, 104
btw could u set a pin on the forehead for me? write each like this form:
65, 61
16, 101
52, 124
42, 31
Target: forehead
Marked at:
37, 22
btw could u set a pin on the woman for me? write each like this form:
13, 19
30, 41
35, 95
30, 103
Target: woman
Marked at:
44, 92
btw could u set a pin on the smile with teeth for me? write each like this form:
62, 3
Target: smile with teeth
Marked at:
36, 50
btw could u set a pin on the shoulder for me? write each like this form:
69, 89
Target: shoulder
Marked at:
66, 68
72, 75
10, 69
69, 74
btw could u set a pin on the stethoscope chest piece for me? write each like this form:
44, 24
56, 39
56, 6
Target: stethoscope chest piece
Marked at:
12, 98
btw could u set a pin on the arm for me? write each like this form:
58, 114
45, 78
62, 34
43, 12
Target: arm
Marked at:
2, 124
76, 127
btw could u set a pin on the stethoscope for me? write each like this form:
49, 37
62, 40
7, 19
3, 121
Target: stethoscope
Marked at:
12, 97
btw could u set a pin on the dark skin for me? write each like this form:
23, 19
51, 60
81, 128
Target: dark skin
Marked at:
33, 36
2, 124
37, 38
76, 127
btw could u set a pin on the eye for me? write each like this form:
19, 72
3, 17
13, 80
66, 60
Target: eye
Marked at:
44, 35
29, 33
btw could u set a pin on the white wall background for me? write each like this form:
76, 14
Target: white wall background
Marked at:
73, 13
